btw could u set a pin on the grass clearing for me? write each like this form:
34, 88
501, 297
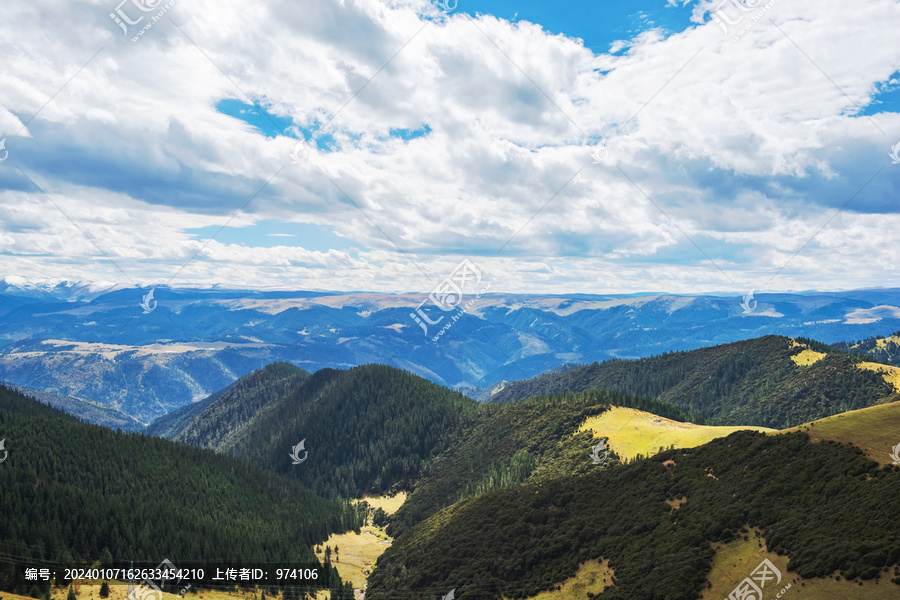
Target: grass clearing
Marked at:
357, 553
875, 430
807, 357
118, 590
632, 432
882, 342
592, 576
890, 374
389, 504
736, 560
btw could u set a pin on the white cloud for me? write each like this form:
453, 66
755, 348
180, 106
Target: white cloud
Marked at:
746, 145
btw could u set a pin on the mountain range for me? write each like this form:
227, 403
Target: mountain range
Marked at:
557, 483
95, 341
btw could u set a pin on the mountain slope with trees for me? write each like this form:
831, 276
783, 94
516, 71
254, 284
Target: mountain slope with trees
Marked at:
367, 430
218, 420
88, 410
753, 382
511, 444
823, 504
75, 492
879, 349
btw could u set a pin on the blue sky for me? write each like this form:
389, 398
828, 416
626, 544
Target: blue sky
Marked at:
761, 156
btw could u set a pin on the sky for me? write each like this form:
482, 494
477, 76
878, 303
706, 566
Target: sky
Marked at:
570, 147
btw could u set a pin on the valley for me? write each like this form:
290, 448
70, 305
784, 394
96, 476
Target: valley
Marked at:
598, 479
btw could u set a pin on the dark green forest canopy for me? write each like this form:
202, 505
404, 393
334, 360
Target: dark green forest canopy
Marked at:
509, 444
824, 504
753, 382
368, 430
75, 492
888, 353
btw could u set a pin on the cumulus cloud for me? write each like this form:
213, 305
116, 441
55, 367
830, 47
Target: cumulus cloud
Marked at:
726, 157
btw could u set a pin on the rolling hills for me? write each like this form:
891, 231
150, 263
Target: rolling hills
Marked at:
885, 349
367, 430
754, 382
824, 505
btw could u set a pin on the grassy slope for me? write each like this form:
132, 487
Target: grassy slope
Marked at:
389, 504
632, 432
591, 577
359, 551
736, 560
890, 374
772, 381
874, 430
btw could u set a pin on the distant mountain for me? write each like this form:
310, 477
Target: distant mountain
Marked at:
56, 289
66, 339
92, 412
771, 381
76, 493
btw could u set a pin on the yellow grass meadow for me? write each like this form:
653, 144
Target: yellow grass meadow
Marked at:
632, 432
592, 576
807, 357
736, 560
874, 430
890, 374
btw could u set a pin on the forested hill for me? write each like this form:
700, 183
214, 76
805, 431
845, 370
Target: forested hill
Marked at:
880, 349
366, 430
218, 420
74, 491
87, 410
823, 504
754, 382
510, 444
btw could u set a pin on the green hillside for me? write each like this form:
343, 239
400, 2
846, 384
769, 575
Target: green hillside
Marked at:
87, 410
76, 492
217, 421
823, 504
879, 349
753, 382
367, 430
509, 444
